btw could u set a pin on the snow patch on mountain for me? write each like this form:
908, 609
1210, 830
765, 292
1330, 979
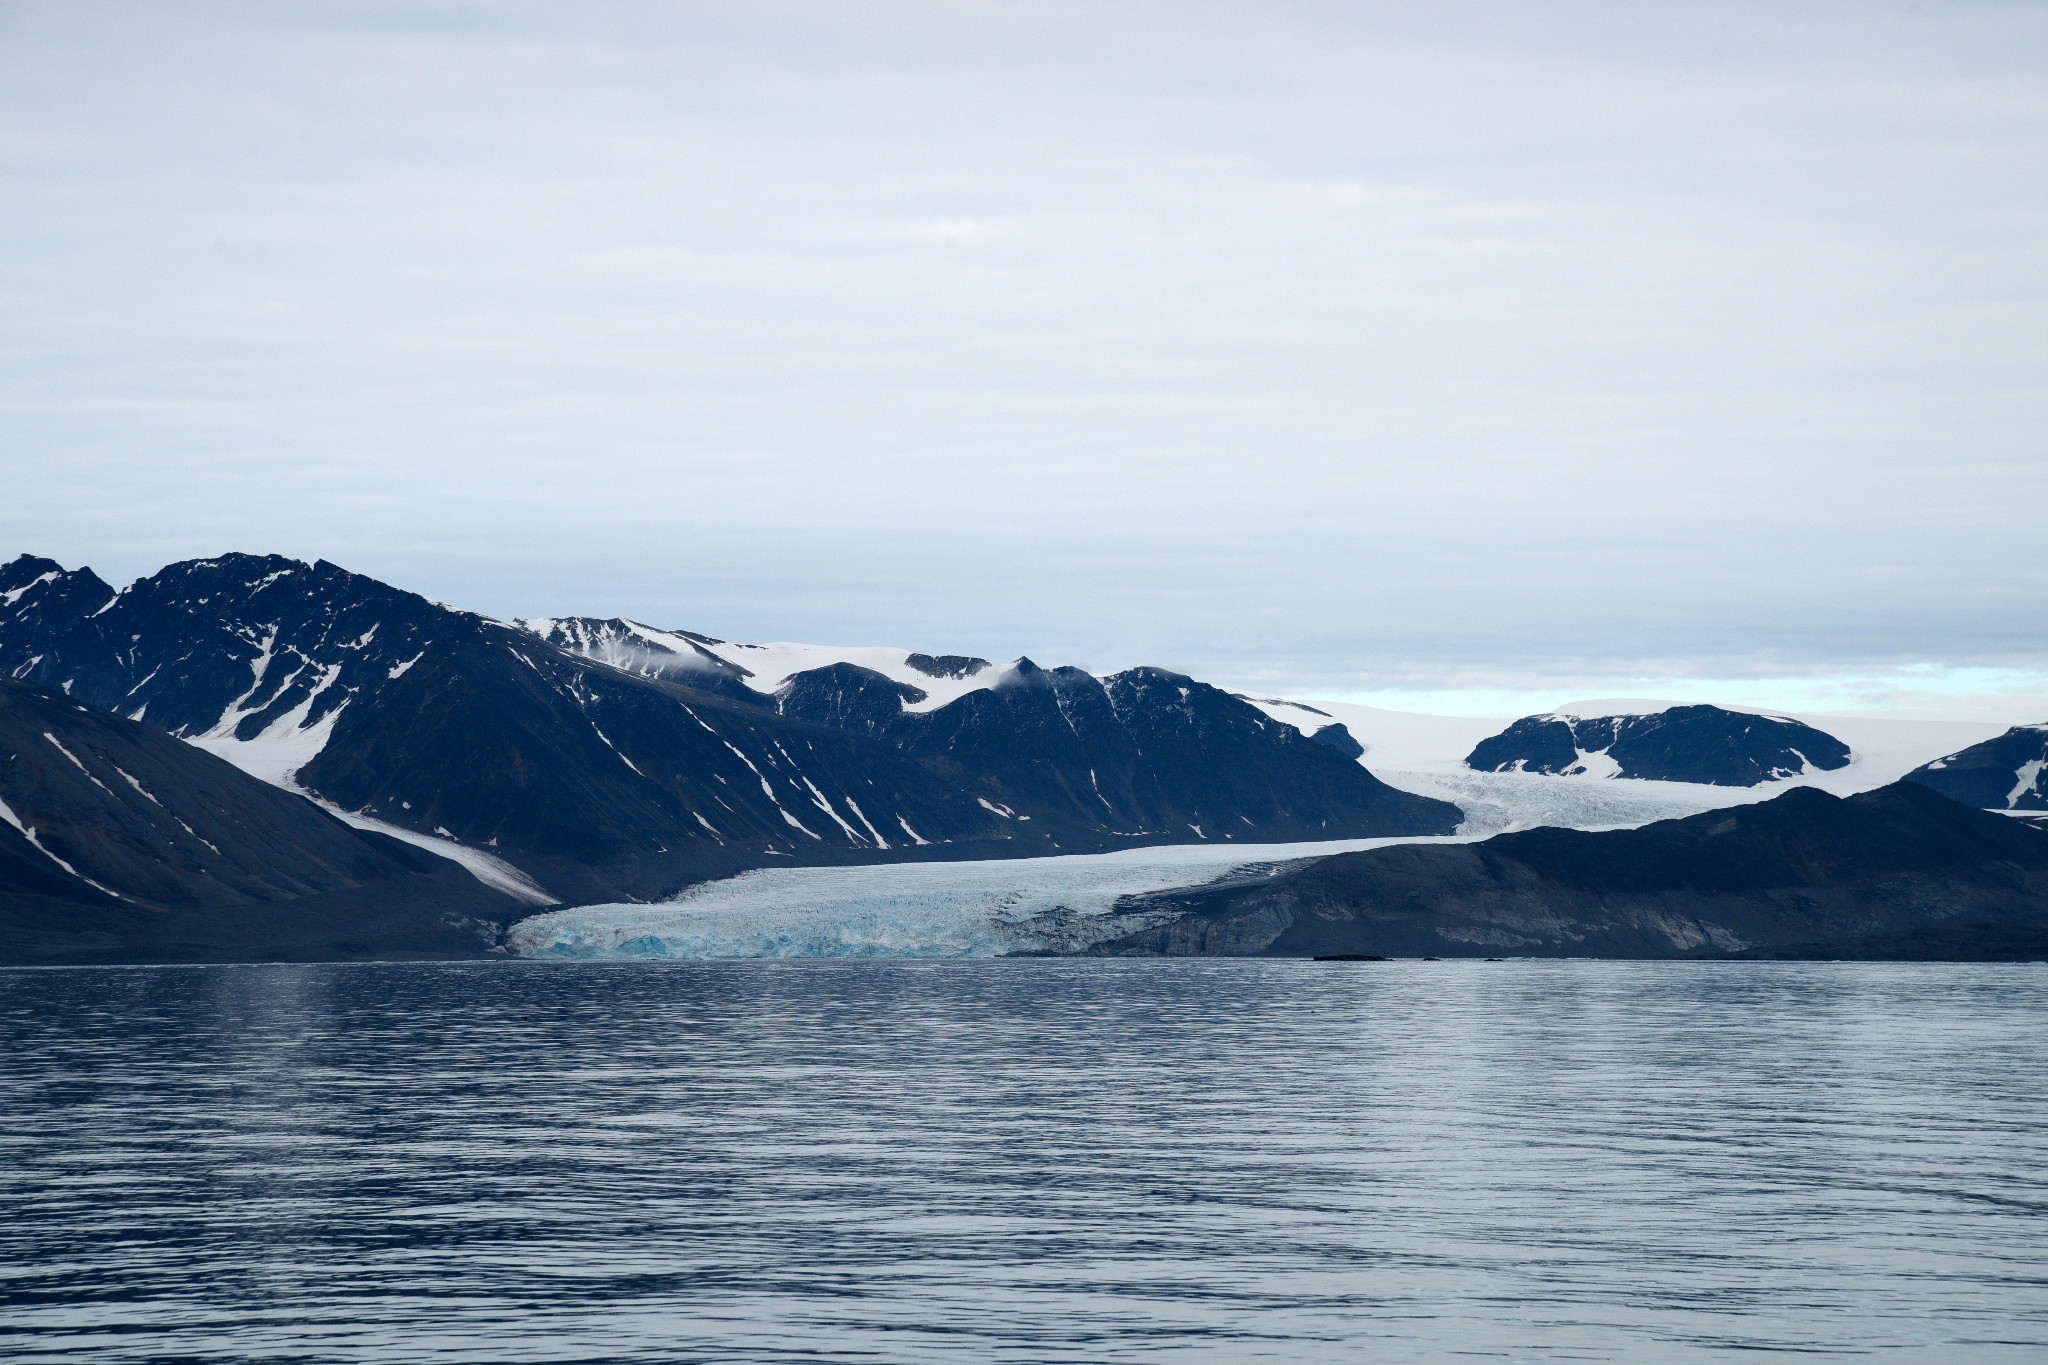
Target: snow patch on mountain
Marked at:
773, 664
492, 871
628, 645
288, 744
2025, 776
762, 669
277, 752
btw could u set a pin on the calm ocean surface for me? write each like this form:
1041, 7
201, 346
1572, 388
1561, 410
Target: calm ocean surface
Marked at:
1025, 1161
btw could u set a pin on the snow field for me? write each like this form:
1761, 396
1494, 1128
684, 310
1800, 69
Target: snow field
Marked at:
1426, 755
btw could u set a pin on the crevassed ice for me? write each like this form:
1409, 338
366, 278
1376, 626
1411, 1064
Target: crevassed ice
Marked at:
959, 909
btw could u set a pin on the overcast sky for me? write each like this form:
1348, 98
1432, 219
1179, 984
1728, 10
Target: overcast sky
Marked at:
1477, 356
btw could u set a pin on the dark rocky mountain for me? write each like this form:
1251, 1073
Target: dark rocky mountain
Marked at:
1683, 744
1151, 751
119, 843
1143, 754
608, 762
2006, 773
1804, 869
849, 697
600, 783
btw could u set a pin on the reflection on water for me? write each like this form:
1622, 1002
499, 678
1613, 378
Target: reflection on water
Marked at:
1024, 1161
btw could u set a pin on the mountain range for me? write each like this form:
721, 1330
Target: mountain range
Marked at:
255, 755
601, 760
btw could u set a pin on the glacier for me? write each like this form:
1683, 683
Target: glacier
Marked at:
903, 910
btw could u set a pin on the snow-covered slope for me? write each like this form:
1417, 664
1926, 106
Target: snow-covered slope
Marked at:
943, 679
762, 669
1425, 754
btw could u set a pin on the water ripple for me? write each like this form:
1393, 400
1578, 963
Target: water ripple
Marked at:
1024, 1161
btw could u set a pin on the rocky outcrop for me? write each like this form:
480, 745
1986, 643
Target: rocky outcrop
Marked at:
1681, 744
1340, 738
946, 665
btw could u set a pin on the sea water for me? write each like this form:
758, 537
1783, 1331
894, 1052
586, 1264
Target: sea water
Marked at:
1024, 1161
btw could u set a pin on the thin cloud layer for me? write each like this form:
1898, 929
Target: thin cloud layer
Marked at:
1332, 349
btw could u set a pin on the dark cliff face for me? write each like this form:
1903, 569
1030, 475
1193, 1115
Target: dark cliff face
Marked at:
602, 783
2006, 773
41, 604
1801, 868
244, 638
1684, 744
120, 843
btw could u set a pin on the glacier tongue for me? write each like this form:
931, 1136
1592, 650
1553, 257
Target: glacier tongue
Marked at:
952, 909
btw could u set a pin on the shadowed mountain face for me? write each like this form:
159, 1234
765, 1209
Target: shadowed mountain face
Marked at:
1684, 744
1147, 754
1801, 868
119, 843
847, 697
1143, 753
2006, 773
610, 762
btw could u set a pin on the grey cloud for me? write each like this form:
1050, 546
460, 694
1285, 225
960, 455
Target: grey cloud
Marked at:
1317, 347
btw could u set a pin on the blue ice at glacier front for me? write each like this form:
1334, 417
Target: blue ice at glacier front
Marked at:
951, 909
